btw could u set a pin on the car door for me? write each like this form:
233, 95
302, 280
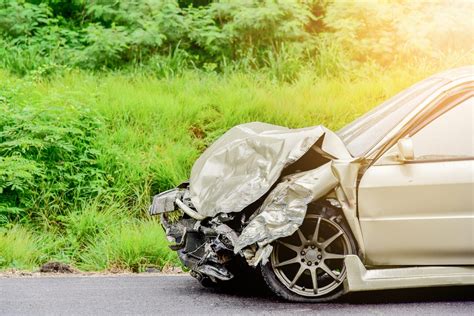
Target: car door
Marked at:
421, 212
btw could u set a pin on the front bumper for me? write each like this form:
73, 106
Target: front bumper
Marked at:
172, 200
166, 201
203, 247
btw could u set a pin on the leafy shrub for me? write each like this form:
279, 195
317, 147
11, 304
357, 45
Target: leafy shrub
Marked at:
278, 35
23, 19
105, 46
253, 27
110, 34
48, 160
17, 177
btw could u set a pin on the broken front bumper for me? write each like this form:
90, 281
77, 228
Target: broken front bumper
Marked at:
172, 200
165, 201
204, 246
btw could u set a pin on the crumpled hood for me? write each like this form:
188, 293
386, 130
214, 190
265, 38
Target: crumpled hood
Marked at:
242, 165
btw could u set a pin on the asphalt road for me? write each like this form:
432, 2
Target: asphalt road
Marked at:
182, 295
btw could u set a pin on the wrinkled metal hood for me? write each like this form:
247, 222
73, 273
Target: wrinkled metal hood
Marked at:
242, 165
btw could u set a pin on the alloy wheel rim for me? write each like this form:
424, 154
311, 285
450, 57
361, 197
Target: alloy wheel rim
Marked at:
311, 261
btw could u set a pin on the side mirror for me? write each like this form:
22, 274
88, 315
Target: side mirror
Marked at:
405, 149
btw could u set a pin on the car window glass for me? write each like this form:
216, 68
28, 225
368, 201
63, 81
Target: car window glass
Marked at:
362, 134
449, 135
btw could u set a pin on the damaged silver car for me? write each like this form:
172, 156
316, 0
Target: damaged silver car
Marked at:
386, 202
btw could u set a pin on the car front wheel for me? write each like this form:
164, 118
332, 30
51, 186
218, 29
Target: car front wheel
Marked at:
309, 265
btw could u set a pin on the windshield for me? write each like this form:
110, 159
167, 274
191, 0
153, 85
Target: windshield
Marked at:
365, 132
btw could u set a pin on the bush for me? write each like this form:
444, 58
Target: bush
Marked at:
105, 34
279, 35
48, 160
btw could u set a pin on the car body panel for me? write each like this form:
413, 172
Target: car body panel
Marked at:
359, 278
418, 213
242, 165
284, 210
404, 207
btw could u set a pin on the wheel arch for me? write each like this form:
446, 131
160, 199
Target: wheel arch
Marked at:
318, 212
332, 205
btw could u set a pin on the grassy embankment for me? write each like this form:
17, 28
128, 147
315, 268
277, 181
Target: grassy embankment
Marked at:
144, 136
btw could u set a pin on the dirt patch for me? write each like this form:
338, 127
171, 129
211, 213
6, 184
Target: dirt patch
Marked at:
53, 269
168, 269
56, 267
197, 132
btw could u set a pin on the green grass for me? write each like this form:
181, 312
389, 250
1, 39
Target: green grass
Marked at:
92, 241
132, 247
19, 248
151, 131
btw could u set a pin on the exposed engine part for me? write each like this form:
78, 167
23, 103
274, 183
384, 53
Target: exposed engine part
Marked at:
206, 247
189, 210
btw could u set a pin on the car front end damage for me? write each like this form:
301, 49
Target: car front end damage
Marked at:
204, 245
251, 188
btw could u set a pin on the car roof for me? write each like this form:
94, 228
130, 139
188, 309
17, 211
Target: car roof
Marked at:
456, 73
449, 78
437, 82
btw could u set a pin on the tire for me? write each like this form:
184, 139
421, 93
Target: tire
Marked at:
306, 278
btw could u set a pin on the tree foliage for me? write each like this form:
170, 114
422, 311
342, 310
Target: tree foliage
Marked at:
169, 35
